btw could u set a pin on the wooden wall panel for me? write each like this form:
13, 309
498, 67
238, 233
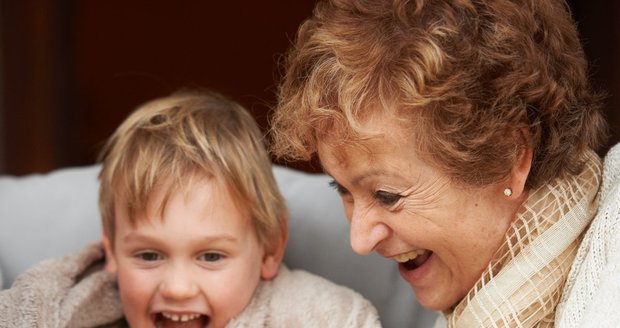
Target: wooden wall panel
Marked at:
75, 69
29, 32
599, 27
127, 52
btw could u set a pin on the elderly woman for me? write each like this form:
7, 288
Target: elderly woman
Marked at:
461, 137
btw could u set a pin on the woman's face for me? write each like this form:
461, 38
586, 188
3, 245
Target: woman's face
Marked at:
442, 236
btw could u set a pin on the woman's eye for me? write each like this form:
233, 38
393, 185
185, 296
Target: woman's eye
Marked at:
149, 256
387, 198
210, 257
340, 189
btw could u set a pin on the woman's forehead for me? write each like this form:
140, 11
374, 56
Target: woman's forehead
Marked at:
371, 133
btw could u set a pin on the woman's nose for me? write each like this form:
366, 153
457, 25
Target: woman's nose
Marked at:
178, 284
367, 232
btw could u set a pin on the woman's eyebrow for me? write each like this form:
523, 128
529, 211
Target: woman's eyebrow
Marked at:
359, 179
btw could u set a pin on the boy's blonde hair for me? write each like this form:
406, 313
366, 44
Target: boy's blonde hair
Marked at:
168, 142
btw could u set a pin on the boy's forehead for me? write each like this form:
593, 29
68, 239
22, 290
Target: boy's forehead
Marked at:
154, 202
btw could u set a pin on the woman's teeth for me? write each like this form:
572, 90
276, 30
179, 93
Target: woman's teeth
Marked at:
402, 258
181, 317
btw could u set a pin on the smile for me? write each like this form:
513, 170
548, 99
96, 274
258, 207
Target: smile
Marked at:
186, 320
413, 259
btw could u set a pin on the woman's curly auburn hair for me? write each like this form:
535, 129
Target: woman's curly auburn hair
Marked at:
466, 75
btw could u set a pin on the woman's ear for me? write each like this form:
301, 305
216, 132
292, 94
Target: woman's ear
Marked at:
521, 168
110, 259
273, 257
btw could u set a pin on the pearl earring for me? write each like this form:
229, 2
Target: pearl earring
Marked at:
507, 192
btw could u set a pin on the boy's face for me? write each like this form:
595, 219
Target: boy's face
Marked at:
198, 265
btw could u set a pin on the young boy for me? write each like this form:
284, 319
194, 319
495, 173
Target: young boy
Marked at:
194, 231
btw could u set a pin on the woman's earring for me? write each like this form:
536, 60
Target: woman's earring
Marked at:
507, 191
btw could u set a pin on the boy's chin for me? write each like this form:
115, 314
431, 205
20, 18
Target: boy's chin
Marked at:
201, 321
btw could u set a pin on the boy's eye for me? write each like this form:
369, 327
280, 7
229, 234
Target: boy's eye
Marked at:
210, 257
149, 256
387, 198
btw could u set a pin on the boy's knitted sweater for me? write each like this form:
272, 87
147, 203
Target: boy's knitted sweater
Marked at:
74, 291
71, 291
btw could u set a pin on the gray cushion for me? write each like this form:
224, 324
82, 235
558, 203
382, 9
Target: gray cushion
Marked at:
46, 215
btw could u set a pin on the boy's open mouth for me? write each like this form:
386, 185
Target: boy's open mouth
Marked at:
193, 320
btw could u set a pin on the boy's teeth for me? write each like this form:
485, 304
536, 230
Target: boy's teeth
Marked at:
188, 317
402, 258
182, 317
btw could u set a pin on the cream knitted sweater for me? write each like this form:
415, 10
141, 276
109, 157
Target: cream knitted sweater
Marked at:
591, 296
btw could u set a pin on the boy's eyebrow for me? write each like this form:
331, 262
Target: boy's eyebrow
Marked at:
138, 237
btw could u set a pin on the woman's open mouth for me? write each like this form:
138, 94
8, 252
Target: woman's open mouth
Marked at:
413, 259
188, 320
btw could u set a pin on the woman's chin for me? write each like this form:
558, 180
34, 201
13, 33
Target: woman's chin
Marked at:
424, 278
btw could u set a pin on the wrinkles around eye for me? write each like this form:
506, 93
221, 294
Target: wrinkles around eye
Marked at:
387, 198
425, 196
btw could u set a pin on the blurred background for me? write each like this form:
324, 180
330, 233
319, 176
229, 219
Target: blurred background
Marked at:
72, 70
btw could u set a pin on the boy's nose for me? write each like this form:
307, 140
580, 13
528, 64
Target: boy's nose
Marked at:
178, 284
